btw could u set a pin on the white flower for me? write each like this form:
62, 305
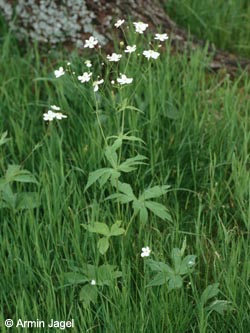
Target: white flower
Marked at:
130, 49
68, 63
145, 251
91, 42
112, 82
85, 77
93, 282
96, 84
88, 63
114, 57
124, 79
140, 27
59, 115
54, 107
49, 116
151, 54
161, 37
59, 72
119, 23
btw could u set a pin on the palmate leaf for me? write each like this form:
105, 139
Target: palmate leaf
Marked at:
97, 227
111, 156
117, 143
75, 278
126, 189
175, 282
160, 266
119, 197
102, 175
143, 215
139, 207
155, 192
103, 229
115, 229
211, 291
159, 279
15, 173
88, 295
159, 210
107, 273
103, 245
187, 264
131, 163
219, 306
126, 194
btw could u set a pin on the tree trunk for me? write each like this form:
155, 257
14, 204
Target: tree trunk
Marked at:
73, 21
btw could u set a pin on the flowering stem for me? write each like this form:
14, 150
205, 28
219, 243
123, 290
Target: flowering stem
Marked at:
99, 122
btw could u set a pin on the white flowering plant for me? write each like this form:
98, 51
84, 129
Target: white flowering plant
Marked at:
110, 81
114, 71
172, 276
92, 278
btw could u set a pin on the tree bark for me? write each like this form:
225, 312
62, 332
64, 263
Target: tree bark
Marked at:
98, 17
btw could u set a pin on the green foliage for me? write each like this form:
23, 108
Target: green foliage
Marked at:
219, 306
172, 276
4, 138
226, 24
93, 279
203, 153
104, 174
103, 229
14, 173
142, 204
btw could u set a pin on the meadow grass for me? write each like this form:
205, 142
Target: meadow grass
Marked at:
224, 23
195, 128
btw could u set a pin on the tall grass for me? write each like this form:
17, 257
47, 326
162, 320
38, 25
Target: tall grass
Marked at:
224, 23
196, 132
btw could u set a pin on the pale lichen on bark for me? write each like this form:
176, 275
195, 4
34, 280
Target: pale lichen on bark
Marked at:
51, 21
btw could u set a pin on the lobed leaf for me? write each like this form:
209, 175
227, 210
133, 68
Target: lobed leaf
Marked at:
74, 278
131, 163
160, 266
97, 227
111, 156
175, 282
116, 230
95, 175
159, 210
14, 173
103, 245
155, 192
187, 264
219, 306
88, 295
107, 273
211, 291
159, 279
